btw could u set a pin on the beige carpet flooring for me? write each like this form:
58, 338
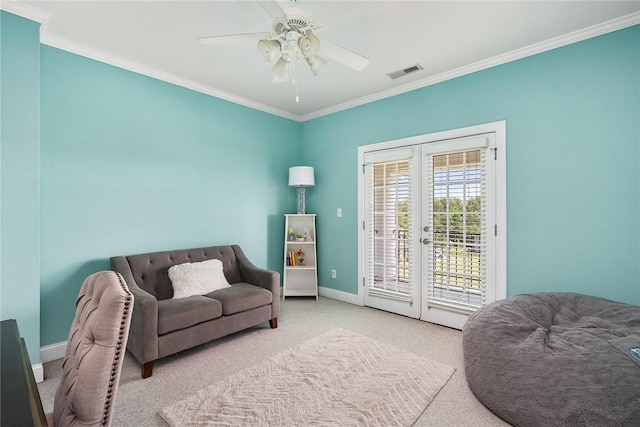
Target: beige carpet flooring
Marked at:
339, 378
176, 377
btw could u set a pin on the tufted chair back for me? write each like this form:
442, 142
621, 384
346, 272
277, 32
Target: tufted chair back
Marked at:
95, 352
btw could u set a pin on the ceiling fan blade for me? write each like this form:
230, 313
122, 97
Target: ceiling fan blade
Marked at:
273, 9
343, 55
233, 38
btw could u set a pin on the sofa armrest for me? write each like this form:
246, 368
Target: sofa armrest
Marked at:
143, 333
264, 278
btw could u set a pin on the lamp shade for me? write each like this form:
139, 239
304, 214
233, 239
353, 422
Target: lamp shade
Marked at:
301, 176
269, 49
282, 68
315, 63
309, 45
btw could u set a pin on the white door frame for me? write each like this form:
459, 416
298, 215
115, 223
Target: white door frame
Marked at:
499, 128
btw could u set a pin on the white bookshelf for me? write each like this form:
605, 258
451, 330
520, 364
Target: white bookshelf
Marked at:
300, 278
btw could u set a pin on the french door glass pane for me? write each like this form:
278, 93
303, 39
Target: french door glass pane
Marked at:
391, 226
457, 240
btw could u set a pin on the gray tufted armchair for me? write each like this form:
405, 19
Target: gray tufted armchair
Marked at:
95, 352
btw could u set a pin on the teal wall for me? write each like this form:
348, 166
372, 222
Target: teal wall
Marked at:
98, 161
20, 171
131, 164
573, 181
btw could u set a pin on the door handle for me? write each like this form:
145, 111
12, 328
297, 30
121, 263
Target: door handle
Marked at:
426, 241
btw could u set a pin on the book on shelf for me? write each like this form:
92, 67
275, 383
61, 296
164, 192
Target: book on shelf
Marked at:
291, 259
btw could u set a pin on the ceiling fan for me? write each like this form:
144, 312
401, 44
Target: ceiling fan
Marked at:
292, 36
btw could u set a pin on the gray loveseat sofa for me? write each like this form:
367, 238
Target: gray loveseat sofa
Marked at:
162, 326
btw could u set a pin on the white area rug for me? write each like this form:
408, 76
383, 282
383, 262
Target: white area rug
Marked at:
339, 378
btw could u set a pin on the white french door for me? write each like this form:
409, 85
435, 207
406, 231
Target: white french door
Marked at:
430, 229
390, 185
458, 217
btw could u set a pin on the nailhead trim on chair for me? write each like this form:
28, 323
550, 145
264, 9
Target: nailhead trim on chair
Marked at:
114, 370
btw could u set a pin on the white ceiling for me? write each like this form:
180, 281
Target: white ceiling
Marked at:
448, 38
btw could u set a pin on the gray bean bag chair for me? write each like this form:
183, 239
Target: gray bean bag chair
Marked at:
556, 359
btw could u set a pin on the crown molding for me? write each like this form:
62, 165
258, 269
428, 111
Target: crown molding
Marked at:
567, 39
18, 8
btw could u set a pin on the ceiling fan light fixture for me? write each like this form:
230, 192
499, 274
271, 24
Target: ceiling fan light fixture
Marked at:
269, 49
309, 45
315, 63
282, 68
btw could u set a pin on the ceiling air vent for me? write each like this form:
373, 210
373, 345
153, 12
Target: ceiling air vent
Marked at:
404, 72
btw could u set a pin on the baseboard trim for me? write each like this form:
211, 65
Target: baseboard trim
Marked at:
47, 354
53, 351
38, 372
339, 295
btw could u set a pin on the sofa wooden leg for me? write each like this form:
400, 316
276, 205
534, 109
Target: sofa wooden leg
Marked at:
273, 323
147, 369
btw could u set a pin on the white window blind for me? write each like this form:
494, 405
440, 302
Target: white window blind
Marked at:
458, 209
390, 256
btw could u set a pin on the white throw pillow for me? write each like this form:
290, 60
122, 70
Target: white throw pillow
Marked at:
197, 278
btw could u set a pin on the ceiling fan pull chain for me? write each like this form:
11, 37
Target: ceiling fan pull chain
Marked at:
294, 72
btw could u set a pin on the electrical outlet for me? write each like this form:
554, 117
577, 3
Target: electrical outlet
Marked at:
333, 273
339, 212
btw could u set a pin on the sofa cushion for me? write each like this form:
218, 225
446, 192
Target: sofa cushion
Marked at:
241, 297
176, 314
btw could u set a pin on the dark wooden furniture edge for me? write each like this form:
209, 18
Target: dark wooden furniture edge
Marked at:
20, 400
